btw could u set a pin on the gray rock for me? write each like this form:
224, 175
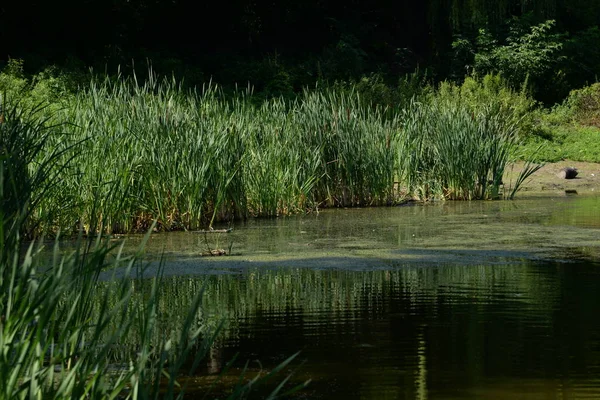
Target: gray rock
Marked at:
568, 173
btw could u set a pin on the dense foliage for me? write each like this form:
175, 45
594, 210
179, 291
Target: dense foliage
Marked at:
344, 104
282, 46
282, 108
133, 151
84, 324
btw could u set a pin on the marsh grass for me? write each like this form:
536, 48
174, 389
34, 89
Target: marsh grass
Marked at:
69, 327
69, 330
30, 167
150, 150
59, 324
451, 151
529, 169
356, 147
154, 151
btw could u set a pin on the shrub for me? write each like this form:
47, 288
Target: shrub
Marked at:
530, 55
584, 105
492, 91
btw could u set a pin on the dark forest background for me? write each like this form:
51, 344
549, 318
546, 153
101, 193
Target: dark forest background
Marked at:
281, 46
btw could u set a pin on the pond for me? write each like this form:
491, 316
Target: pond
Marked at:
454, 300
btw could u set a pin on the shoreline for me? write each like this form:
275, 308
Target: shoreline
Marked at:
547, 181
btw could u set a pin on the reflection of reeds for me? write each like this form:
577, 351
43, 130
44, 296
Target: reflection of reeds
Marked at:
338, 292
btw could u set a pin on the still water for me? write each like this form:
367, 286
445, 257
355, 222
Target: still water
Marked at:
480, 300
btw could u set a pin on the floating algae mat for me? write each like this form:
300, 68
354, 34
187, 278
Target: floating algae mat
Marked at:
558, 228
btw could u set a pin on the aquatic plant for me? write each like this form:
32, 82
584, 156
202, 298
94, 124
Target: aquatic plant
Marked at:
84, 323
455, 151
152, 150
356, 148
59, 324
189, 158
30, 165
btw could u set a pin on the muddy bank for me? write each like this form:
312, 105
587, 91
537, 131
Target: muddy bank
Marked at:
547, 180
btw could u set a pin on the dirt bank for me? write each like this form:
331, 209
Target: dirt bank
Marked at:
546, 180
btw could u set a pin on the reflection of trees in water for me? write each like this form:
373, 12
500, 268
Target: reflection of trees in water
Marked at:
241, 297
215, 359
467, 322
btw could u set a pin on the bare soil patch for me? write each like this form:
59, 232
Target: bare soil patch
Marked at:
547, 179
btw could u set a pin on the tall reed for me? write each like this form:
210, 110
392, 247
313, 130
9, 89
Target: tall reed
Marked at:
356, 147
450, 150
188, 158
58, 324
68, 327
150, 150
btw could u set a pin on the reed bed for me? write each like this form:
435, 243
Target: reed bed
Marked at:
449, 150
59, 324
153, 151
69, 328
356, 147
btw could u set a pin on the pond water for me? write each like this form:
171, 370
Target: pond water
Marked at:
455, 300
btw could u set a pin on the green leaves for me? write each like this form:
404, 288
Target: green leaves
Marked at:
457, 143
187, 159
129, 152
528, 55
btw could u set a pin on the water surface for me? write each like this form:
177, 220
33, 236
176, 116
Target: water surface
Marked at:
454, 300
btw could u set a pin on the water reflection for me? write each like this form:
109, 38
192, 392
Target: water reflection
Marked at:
416, 332
457, 300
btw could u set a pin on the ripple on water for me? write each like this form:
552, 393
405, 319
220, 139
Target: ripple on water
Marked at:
476, 300
527, 330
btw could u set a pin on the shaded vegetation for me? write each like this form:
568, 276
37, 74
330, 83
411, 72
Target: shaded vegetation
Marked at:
569, 130
281, 48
